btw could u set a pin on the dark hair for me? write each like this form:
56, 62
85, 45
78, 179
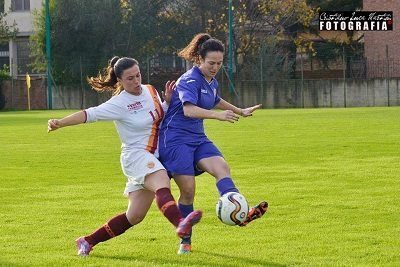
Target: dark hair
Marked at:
200, 45
107, 80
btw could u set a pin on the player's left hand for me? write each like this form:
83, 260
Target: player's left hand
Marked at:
249, 111
53, 124
169, 89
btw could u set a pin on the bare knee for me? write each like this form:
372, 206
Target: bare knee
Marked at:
221, 171
216, 166
186, 195
187, 187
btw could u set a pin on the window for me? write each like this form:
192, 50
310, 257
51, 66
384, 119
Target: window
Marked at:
20, 5
23, 52
4, 51
4, 55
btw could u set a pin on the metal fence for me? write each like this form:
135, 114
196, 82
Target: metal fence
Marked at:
278, 80
259, 67
305, 66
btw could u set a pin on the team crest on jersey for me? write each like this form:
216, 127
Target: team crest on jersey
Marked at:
135, 106
150, 164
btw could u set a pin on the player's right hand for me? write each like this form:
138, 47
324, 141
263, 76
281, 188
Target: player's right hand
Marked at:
228, 115
53, 124
169, 89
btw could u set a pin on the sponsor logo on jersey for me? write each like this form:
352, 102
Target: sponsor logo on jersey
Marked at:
135, 106
204, 91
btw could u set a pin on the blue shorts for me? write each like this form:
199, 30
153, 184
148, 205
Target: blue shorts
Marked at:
182, 159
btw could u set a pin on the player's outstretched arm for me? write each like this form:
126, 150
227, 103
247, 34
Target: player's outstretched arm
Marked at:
224, 105
244, 112
249, 111
193, 111
73, 119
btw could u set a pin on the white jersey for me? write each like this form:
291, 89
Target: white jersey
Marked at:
137, 118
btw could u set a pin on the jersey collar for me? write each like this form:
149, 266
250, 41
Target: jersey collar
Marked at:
198, 71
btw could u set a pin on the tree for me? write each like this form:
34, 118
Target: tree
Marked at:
7, 32
85, 34
256, 23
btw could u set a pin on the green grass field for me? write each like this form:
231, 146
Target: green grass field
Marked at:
331, 176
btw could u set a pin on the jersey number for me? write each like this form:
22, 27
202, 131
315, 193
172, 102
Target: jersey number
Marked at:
156, 115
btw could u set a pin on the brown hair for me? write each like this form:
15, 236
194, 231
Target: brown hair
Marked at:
200, 45
107, 80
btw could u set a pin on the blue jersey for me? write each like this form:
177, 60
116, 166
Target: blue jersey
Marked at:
192, 88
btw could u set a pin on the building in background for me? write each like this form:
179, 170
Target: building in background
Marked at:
382, 51
16, 53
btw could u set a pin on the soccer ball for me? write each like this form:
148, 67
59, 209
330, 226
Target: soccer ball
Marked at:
232, 208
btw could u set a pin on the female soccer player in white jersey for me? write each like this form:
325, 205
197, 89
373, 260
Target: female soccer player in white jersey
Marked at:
185, 149
137, 112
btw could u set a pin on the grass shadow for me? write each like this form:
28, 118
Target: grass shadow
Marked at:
226, 260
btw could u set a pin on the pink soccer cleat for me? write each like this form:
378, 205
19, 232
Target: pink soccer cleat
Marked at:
185, 226
184, 249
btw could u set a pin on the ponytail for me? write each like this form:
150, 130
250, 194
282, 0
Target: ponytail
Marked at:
107, 81
200, 45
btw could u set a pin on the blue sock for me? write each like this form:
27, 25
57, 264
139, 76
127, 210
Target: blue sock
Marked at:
185, 210
226, 185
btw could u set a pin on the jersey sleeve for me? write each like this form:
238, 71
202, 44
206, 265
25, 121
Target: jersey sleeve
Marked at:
108, 111
188, 91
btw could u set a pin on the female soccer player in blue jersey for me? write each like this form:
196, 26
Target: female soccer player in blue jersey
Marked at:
137, 112
185, 149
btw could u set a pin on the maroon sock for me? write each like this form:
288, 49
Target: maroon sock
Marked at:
166, 203
114, 227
